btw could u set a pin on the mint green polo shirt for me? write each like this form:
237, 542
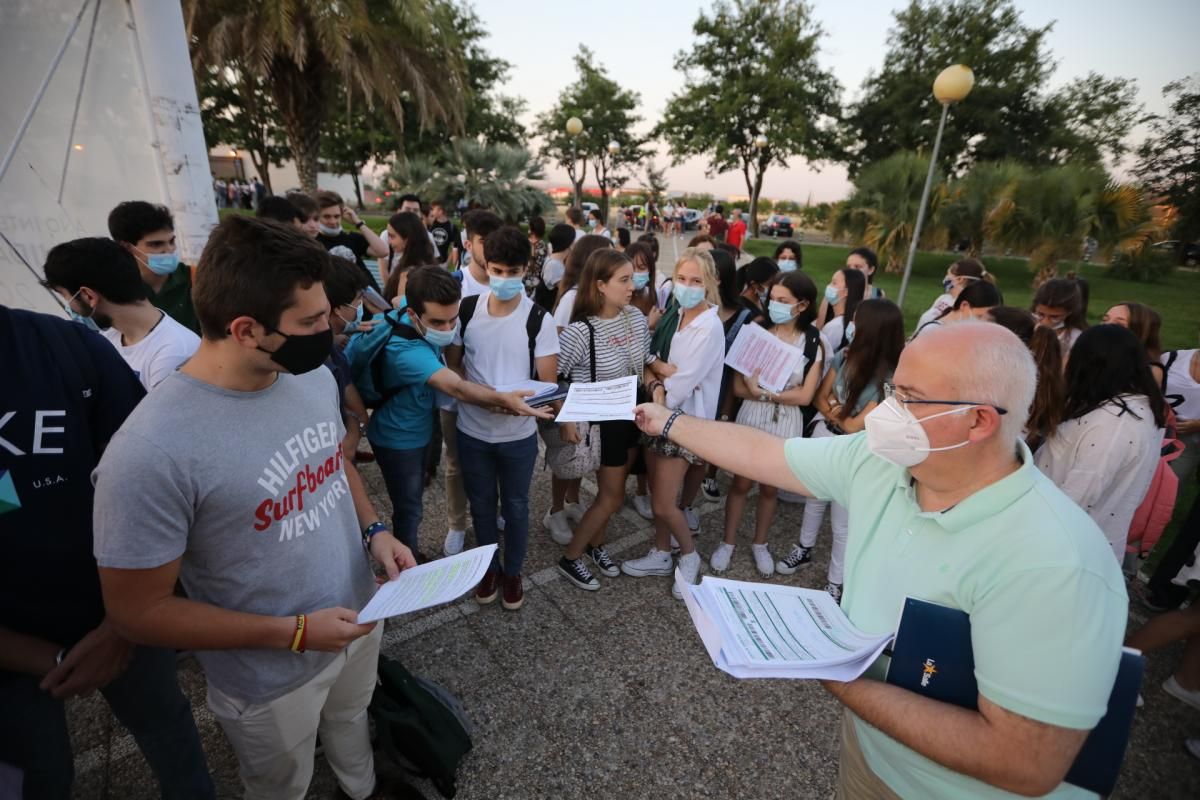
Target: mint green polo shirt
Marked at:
1046, 597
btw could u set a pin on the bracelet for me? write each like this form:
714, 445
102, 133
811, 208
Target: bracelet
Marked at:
676, 414
372, 529
655, 385
299, 638
359, 224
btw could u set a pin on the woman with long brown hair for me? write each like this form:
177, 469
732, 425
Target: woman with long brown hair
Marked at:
408, 246
1050, 398
850, 390
959, 275
1146, 324
608, 338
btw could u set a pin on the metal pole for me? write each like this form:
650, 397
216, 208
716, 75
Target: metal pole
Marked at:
912, 249
574, 184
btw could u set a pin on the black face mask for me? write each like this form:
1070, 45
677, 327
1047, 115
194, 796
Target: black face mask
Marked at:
302, 353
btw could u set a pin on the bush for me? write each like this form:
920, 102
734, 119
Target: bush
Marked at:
1146, 265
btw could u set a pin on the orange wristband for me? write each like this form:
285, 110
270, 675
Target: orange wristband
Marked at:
298, 639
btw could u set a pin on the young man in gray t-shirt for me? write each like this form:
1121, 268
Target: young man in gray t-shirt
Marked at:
230, 478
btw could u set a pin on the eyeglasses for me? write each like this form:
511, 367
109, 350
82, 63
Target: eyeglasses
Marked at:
890, 393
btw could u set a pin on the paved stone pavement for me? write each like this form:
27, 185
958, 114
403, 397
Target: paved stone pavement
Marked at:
610, 694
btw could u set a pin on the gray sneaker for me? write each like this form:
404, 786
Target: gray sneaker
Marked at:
693, 520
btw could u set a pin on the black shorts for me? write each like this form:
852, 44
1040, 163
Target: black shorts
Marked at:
617, 437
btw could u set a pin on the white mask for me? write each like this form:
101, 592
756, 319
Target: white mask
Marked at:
895, 435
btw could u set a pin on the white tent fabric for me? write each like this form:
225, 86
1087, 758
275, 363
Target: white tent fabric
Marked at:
99, 107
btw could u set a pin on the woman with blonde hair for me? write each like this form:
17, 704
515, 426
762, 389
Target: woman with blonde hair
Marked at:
695, 355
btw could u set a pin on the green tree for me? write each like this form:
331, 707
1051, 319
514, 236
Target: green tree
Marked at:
1098, 114
236, 109
608, 113
497, 176
970, 201
656, 183
882, 209
355, 132
753, 72
398, 52
1002, 118
1169, 159
765, 205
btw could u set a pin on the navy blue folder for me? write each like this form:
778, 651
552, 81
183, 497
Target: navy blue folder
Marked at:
932, 656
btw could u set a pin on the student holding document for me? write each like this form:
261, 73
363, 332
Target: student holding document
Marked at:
947, 506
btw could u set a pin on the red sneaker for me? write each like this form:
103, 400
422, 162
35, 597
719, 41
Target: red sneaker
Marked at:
486, 591
514, 592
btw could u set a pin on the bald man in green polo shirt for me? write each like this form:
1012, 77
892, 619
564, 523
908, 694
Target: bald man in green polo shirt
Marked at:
947, 506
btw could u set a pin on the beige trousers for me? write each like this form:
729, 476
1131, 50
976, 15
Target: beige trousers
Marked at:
275, 742
856, 781
456, 495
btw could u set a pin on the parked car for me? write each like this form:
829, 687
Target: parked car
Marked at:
588, 206
777, 225
691, 219
1191, 250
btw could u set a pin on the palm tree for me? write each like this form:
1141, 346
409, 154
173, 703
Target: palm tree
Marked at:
1049, 214
498, 177
970, 200
398, 52
882, 209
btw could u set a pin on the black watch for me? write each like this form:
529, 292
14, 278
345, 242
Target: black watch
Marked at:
359, 224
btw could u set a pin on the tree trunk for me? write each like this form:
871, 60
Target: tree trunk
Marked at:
299, 93
263, 166
758, 182
357, 187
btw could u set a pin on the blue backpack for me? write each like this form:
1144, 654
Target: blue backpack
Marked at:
366, 358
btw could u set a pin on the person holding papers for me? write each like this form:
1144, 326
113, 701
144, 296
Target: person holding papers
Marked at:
508, 340
696, 356
792, 308
608, 338
948, 507
244, 496
850, 390
413, 373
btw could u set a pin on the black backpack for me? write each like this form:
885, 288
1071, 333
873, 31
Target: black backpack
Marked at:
421, 726
533, 326
812, 341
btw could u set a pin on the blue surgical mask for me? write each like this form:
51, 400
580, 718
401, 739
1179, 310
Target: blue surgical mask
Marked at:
641, 280
163, 263
947, 284
505, 288
329, 230
832, 295
780, 313
688, 296
86, 322
850, 332
440, 338
591, 223
352, 325
787, 265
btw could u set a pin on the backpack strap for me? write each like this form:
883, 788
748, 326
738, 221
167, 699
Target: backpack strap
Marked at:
533, 326
738, 322
466, 310
812, 341
592, 347
404, 331
1172, 356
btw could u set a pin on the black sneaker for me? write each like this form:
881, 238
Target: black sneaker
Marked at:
605, 565
710, 490
578, 574
799, 556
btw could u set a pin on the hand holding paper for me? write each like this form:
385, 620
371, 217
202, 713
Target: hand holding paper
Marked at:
429, 584
601, 401
762, 354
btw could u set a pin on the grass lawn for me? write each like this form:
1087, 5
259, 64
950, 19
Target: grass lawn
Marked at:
1177, 298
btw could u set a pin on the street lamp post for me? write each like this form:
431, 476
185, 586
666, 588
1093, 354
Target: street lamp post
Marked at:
951, 86
574, 128
614, 147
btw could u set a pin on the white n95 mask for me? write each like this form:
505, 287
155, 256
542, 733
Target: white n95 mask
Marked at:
895, 435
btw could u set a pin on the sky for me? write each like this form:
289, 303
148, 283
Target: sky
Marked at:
1153, 41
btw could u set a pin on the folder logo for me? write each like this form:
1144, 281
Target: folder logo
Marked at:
929, 671
8, 492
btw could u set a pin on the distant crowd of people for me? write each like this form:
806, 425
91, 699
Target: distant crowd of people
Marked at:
204, 427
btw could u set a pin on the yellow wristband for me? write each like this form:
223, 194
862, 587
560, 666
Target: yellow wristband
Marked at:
299, 637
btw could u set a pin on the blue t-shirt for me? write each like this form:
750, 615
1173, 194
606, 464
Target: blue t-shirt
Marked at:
406, 420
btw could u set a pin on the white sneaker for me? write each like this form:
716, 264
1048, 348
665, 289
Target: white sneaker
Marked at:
454, 542
656, 562
575, 512
556, 524
689, 568
763, 560
693, 521
1191, 697
721, 557
641, 504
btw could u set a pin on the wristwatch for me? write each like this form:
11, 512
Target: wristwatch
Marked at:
359, 224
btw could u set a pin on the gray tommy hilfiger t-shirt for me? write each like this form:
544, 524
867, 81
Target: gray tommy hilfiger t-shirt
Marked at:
249, 488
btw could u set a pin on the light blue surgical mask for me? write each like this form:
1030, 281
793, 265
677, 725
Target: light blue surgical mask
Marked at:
592, 223
440, 338
87, 321
832, 295
505, 288
787, 265
329, 230
162, 263
352, 325
850, 332
688, 296
780, 313
947, 285
641, 280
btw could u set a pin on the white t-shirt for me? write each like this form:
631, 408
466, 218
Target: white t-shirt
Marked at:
168, 345
834, 330
1183, 393
552, 271
944, 303
495, 353
562, 312
470, 286
1104, 461
698, 351
580, 233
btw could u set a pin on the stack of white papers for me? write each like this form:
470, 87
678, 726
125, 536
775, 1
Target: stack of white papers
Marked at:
540, 389
596, 402
429, 584
761, 630
758, 352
